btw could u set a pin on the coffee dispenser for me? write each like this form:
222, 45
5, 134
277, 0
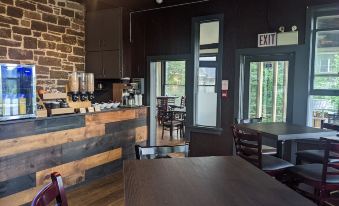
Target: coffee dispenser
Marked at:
83, 87
90, 85
73, 86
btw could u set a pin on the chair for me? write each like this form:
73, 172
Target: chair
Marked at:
183, 102
204, 143
52, 191
249, 147
162, 106
324, 178
267, 150
317, 155
247, 121
170, 121
157, 152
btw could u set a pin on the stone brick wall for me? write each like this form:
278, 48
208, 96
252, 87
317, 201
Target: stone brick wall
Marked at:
47, 33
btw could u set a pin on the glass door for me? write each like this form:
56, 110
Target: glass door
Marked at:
266, 85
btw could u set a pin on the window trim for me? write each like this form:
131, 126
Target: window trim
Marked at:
312, 14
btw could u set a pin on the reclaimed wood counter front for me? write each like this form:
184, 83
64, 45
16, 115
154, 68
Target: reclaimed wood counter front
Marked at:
80, 147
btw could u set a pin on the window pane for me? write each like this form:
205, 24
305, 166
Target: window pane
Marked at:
212, 58
326, 65
175, 90
324, 108
268, 90
175, 72
206, 76
209, 51
328, 22
209, 33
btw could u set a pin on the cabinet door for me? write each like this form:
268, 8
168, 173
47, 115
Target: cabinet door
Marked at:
112, 24
111, 64
94, 30
94, 64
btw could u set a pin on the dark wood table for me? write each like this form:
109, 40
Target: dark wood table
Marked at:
282, 132
204, 181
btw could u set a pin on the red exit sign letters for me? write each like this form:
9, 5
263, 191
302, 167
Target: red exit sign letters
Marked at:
268, 39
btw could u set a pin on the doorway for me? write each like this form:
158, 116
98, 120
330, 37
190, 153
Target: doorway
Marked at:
267, 84
266, 87
167, 99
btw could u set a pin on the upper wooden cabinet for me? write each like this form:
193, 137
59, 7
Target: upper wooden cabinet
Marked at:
105, 45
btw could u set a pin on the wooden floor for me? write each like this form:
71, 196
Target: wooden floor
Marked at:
167, 140
107, 191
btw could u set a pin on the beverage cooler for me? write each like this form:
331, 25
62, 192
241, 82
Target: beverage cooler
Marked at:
17, 91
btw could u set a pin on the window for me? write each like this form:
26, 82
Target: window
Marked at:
324, 39
174, 84
268, 83
325, 36
207, 70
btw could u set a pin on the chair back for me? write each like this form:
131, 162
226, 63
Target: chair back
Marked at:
203, 144
183, 102
53, 191
156, 152
162, 104
248, 145
329, 126
331, 152
247, 121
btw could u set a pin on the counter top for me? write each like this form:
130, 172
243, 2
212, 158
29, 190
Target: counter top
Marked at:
66, 115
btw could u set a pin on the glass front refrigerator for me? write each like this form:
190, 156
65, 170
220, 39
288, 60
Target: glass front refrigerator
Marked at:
17, 91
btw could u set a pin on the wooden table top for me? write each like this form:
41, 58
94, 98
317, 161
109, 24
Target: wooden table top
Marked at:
204, 181
285, 131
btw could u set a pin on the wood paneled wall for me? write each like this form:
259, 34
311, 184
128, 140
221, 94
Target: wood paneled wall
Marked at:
88, 147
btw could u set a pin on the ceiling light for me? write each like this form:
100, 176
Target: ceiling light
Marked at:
159, 1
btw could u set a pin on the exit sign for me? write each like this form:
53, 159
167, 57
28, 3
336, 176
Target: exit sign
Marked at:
268, 39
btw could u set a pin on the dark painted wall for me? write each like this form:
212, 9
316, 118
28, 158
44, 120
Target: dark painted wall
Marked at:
168, 31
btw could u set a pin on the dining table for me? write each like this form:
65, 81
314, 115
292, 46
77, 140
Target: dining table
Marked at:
201, 181
281, 132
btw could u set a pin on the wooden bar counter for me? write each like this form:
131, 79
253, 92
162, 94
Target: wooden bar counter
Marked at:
80, 147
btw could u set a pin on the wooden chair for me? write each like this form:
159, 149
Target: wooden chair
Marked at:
204, 143
267, 150
162, 106
52, 191
249, 147
316, 155
324, 178
157, 152
170, 122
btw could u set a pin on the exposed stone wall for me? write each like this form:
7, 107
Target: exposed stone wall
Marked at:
47, 33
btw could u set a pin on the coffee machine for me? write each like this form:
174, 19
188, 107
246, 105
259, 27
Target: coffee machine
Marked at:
129, 93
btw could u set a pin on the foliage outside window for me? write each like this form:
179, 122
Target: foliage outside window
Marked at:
175, 79
268, 91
